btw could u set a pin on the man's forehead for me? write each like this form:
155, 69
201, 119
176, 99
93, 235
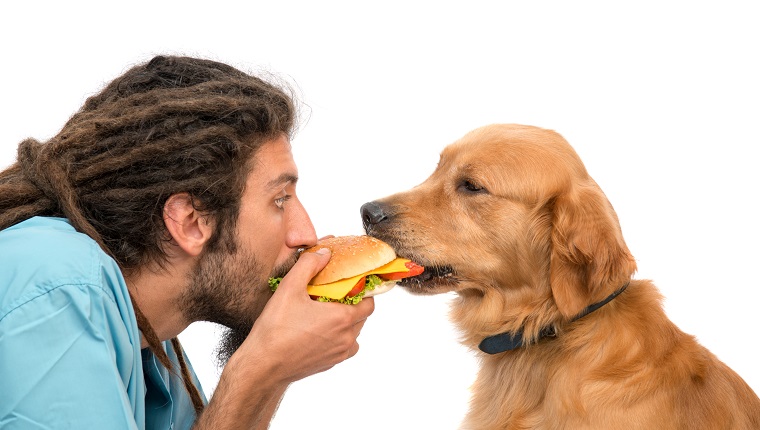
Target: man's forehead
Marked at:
273, 165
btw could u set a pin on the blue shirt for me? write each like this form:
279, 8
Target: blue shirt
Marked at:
70, 354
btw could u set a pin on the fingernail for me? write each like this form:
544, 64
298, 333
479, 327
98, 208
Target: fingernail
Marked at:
323, 251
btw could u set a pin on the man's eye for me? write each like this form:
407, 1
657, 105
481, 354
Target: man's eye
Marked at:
280, 202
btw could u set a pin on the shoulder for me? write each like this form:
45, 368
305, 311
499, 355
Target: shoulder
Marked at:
44, 237
43, 254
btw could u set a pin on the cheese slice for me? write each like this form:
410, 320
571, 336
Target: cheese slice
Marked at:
338, 289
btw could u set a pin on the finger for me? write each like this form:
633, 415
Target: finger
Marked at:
364, 309
357, 328
307, 266
353, 350
329, 236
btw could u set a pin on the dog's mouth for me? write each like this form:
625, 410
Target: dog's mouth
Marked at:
432, 278
436, 278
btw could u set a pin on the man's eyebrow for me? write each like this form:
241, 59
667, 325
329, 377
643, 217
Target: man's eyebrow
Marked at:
282, 180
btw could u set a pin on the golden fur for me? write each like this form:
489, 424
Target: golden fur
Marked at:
530, 241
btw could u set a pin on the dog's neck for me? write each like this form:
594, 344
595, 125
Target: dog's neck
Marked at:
512, 340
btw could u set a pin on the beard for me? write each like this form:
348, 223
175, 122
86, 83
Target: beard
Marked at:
229, 287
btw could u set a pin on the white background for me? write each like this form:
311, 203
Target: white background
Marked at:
660, 99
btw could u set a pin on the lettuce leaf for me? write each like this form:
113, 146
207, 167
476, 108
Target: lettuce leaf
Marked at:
370, 283
274, 283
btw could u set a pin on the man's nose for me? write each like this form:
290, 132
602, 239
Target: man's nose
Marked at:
301, 232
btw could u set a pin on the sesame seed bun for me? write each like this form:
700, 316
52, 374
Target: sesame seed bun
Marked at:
351, 256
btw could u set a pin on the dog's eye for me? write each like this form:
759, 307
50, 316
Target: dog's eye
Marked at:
469, 187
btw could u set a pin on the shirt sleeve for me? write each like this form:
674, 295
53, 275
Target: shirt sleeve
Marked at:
65, 360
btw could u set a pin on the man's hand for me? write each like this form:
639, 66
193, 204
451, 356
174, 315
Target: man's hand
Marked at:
294, 337
301, 336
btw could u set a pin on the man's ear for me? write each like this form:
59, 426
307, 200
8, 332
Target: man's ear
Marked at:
189, 229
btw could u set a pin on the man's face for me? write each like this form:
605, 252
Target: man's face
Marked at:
231, 289
272, 222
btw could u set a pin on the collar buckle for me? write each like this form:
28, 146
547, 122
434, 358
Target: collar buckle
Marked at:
508, 341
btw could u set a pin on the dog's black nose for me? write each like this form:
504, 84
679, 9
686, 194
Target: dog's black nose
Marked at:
372, 213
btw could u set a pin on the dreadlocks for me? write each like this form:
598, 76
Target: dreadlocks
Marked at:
171, 125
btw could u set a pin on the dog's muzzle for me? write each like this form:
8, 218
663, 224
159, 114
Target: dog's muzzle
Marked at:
373, 213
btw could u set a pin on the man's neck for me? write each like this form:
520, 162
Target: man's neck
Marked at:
157, 292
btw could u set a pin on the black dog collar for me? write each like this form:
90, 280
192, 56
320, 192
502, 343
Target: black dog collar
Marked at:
508, 341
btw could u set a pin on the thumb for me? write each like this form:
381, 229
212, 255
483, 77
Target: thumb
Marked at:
307, 266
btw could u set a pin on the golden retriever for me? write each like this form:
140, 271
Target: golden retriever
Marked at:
511, 221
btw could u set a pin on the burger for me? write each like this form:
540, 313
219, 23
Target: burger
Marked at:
359, 267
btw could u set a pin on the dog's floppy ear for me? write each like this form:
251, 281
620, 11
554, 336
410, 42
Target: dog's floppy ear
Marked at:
589, 258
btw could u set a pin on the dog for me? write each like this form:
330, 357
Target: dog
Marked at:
511, 222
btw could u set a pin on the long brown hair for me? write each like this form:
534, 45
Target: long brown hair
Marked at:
171, 125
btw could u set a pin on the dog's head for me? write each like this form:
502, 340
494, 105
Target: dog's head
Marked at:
511, 221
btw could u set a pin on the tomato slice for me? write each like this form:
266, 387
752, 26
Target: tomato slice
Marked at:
357, 288
414, 270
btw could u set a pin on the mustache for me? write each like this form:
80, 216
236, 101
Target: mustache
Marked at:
282, 269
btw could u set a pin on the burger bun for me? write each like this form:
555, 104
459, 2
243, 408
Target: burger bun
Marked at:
352, 256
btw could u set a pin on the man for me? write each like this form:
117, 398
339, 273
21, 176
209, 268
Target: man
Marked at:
169, 198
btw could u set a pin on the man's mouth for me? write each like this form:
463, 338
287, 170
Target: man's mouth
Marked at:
283, 268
